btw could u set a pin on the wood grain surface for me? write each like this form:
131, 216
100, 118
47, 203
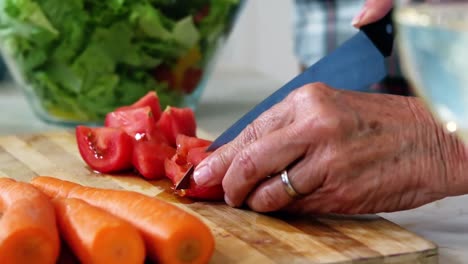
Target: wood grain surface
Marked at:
241, 236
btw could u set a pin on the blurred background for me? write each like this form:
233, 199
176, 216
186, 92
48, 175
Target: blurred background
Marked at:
262, 41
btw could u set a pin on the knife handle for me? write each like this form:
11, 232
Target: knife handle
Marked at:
381, 33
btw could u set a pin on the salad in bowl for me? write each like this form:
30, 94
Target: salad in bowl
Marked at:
80, 59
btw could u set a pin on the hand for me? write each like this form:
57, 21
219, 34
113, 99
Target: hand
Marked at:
373, 10
346, 152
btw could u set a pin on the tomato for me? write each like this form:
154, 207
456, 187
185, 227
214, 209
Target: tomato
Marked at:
149, 157
137, 122
105, 149
163, 73
196, 155
192, 77
212, 193
175, 121
185, 143
190, 152
151, 99
200, 15
175, 168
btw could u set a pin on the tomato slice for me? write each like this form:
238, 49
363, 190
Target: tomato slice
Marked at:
185, 143
212, 193
151, 99
175, 168
191, 79
105, 149
196, 155
163, 73
137, 122
149, 157
200, 15
175, 121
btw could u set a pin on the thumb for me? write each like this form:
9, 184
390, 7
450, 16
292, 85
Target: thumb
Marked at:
373, 10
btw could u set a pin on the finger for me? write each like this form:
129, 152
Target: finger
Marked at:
372, 11
266, 156
271, 195
212, 169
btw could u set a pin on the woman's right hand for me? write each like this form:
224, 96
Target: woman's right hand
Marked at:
372, 11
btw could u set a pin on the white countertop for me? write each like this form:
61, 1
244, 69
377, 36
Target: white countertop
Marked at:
231, 94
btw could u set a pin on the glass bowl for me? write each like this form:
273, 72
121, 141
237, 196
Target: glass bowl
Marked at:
77, 60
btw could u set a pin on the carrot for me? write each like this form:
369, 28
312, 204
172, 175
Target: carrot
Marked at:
28, 231
171, 235
95, 236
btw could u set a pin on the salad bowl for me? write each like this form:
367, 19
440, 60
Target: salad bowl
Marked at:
77, 60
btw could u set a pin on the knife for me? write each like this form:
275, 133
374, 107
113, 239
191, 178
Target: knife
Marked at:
356, 64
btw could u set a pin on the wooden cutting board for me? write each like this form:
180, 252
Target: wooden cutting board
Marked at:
242, 236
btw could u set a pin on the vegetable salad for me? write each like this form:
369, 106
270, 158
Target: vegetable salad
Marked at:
83, 58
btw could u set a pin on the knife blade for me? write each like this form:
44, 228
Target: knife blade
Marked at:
356, 64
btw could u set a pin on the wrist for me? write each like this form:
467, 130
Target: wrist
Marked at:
450, 154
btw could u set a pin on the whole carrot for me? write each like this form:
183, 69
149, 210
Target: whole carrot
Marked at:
96, 236
171, 235
28, 230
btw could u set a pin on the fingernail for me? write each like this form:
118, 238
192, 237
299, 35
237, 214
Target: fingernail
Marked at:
202, 175
226, 199
359, 17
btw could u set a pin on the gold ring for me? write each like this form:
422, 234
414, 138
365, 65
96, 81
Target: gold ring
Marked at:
288, 186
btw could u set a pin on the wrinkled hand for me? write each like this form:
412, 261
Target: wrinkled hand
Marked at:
346, 152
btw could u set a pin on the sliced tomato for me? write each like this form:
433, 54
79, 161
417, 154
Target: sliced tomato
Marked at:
105, 149
212, 193
196, 155
191, 79
175, 168
185, 143
175, 121
151, 99
200, 15
149, 157
163, 73
137, 122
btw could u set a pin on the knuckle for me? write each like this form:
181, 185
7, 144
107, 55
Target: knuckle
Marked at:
311, 91
251, 133
245, 164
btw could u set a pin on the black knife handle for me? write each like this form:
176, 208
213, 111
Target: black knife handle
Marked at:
381, 33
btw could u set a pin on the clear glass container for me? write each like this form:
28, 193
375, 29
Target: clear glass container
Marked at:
433, 43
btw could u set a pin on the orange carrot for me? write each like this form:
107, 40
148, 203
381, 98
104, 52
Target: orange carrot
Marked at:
28, 231
171, 235
96, 236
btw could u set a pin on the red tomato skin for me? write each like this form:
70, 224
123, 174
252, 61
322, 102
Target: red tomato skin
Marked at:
137, 122
105, 149
192, 77
151, 99
149, 156
185, 143
200, 15
175, 169
175, 121
163, 73
196, 192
